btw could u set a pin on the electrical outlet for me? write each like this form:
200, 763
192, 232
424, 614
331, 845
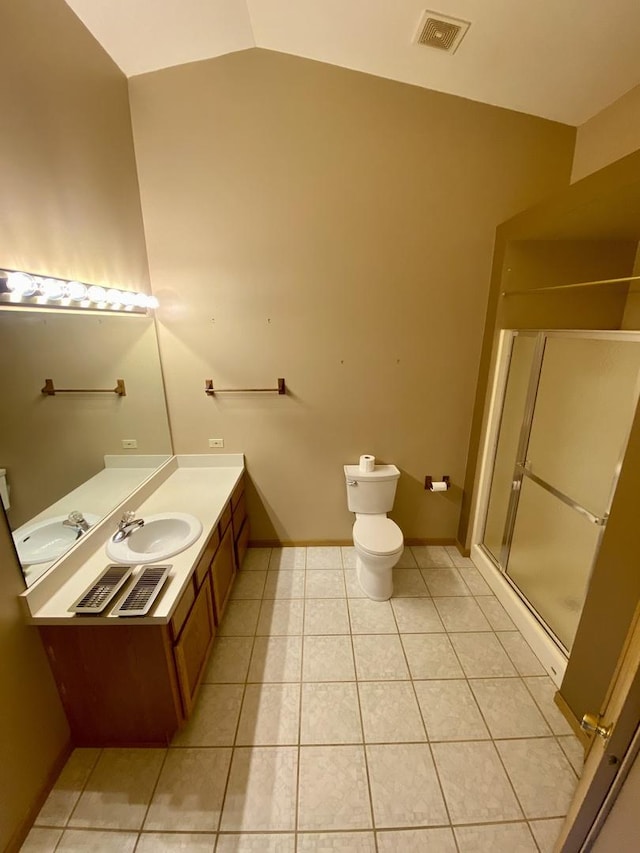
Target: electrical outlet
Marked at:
129, 443
216, 442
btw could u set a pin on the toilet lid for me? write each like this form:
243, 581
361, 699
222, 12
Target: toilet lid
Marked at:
377, 534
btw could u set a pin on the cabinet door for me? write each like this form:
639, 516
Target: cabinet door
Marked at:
237, 493
242, 543
223, 569
204, 562
193, 647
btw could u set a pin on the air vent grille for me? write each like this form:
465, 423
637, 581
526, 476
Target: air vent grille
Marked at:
441, 32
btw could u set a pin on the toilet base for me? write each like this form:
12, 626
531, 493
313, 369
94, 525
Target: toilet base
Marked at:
377, 584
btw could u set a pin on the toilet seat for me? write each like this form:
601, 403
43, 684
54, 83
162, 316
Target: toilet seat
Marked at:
377, 534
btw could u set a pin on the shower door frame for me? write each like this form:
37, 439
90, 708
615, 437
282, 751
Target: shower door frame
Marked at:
547, 645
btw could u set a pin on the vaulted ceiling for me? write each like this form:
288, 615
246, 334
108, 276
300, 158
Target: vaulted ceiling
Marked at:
560, 59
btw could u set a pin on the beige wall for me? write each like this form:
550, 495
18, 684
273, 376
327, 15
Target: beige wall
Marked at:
609, 135
69, 206
49, 445
336, 229
33, 727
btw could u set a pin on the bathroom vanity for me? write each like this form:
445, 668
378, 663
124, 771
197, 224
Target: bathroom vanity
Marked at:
134, 680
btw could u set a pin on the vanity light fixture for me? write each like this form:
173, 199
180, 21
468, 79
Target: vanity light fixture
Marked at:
28, 290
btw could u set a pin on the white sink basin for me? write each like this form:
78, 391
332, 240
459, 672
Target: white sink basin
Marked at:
45, 540
162, 536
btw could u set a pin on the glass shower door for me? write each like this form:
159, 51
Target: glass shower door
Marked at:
586, 399
517, 393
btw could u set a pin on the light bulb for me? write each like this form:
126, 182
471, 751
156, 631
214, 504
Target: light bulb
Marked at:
96, 293
127, 298
21, 284
52, 288
141, 300
76, 291
113, 296
152, 302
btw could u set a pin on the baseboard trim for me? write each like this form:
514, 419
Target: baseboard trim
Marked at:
24, 827
466, 552
345, 543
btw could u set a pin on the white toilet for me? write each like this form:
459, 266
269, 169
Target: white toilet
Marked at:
377, 539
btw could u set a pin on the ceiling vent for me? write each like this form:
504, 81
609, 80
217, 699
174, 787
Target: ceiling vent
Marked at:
441, 32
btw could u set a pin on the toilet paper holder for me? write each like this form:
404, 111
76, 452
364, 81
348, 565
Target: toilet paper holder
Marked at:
429, 482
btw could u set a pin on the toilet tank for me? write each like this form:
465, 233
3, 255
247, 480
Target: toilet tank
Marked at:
374, 492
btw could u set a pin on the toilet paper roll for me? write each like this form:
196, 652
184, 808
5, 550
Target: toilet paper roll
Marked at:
367, 464
439, 486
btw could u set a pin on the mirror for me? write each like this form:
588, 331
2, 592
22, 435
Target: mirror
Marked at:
85, 448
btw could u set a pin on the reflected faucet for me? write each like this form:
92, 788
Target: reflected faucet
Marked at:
127, 524
77, 521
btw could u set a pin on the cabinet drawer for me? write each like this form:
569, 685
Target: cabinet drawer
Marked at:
242, 542
182, 610
225, 518
192, 650
205, 561
239, 515
237, 493
223, 569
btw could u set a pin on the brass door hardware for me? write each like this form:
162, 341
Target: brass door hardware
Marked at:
591, 723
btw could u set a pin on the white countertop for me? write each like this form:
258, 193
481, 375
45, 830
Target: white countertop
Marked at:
201, 486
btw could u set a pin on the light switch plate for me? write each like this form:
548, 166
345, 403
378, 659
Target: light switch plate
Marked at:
129, 443
216, 442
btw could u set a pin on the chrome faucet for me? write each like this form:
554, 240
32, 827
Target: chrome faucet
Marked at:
76, 520
127, 524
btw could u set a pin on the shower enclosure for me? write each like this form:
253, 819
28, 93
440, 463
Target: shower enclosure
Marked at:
567, 409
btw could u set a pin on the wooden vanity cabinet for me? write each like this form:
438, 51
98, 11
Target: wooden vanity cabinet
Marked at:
118, 684
193, 646
136, 685
223, 572
240, 522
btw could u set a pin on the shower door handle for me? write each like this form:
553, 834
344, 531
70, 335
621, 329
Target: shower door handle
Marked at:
600, 520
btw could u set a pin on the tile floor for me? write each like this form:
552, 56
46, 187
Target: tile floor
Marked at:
328, 722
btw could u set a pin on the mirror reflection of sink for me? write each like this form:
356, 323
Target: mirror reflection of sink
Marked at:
45, 540
163, 535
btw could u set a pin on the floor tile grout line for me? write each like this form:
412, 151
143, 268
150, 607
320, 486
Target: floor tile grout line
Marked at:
347, 743
297, 802
426, 734
492, 739
497, 752
514, 737
223, 801
364, 745
467, 678
99, 750
155, 788
554, 733
268, 832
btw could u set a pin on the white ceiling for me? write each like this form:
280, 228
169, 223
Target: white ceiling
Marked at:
560, 59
